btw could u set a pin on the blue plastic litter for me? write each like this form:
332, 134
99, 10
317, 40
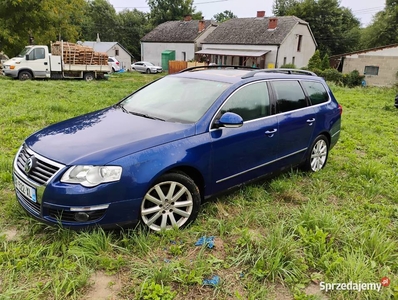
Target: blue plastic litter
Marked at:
215, 280
167, 260
208, 241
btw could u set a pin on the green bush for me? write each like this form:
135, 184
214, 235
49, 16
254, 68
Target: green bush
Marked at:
288, 66
351, 79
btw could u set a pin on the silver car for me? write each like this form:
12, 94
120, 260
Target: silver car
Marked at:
146, 67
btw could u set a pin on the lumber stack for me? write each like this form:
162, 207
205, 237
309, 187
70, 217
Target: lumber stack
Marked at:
75, 54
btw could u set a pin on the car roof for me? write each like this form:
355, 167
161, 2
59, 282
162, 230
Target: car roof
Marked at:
236, 75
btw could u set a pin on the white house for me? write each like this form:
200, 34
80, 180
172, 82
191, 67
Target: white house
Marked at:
267, 42
113, 49
379, 65
183, 38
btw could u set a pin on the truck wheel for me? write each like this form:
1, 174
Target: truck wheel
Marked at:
25, 75
89, 76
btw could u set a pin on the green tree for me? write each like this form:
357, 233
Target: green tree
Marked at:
45, 20
315, 61
335, 28
171, 10
133, 26
100, 18
224, 16
281, 7
325, 64
384, 28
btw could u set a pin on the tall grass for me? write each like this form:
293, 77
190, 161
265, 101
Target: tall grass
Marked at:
272, 238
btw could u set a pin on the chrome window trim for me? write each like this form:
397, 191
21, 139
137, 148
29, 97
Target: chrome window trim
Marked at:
260, 166
277, 114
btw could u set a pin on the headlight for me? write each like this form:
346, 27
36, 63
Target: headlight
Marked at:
90, 176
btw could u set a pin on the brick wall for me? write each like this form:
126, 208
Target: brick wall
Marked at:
388, 68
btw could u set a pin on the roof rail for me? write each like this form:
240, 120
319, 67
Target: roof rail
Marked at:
284, 71
218, 66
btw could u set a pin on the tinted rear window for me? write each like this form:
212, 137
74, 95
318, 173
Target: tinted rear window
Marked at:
289, 95
316, 91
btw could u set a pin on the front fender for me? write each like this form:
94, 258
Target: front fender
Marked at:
141, 169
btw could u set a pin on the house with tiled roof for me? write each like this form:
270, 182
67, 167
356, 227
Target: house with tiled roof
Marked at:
114, 49
183, 38
267, 42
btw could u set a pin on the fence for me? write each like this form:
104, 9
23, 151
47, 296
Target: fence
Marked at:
176, 66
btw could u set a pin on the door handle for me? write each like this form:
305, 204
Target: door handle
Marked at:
271, 133
45, 63
310, 121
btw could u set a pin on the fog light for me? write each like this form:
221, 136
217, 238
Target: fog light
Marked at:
82, 217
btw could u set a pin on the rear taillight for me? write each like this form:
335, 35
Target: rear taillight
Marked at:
117, 63
340, 109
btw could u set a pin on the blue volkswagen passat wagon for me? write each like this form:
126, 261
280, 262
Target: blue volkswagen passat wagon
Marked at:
157, 154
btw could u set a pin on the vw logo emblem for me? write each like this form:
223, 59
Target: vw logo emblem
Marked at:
29, 164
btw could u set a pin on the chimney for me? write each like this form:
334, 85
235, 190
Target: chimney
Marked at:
261, 14
98, 38
187, 18
202, 25
272, 23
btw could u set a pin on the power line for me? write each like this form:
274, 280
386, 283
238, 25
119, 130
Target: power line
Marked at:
198, 3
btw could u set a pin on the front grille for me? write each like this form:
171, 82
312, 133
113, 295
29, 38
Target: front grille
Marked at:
69, 216
41, 172
33, 206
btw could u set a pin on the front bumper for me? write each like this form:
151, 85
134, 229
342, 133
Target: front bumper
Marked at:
10, 73
70, 205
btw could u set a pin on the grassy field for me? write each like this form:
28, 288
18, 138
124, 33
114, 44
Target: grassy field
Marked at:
277, 239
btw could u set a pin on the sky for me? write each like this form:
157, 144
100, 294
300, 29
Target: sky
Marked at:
364, 10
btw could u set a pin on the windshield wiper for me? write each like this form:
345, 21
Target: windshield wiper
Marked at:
145, 116
139, 114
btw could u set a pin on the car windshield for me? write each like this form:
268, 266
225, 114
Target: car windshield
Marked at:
175, 99
149, 64
24, 52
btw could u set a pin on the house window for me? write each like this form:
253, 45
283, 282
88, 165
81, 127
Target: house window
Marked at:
184, 56
371, 70
300, 39
117, 52
293, 60
284, 61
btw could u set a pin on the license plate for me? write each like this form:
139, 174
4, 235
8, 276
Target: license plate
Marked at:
25, 189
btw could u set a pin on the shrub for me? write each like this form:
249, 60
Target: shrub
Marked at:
315, 61
288, 66
325, 64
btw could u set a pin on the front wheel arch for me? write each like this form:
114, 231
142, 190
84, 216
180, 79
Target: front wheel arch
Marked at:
173, 200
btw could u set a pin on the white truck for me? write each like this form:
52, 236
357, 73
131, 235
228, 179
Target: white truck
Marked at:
67, 60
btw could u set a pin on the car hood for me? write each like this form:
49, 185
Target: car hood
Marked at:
100, 137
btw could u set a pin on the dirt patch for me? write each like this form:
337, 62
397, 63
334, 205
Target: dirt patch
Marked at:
313, 289
282, 293
11, 234
104, 287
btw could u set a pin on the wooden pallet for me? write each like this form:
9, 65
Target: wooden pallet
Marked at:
78, 55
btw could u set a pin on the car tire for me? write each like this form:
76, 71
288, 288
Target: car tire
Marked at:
89, 76
148, 71
173, 201
318, 155
25, 75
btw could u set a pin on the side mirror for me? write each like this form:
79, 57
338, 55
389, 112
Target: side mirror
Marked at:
27, 56
230, 120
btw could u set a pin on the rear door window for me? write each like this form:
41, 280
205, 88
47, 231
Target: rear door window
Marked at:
316, 91
289, 95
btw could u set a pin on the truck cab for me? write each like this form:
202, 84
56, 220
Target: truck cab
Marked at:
32, 62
